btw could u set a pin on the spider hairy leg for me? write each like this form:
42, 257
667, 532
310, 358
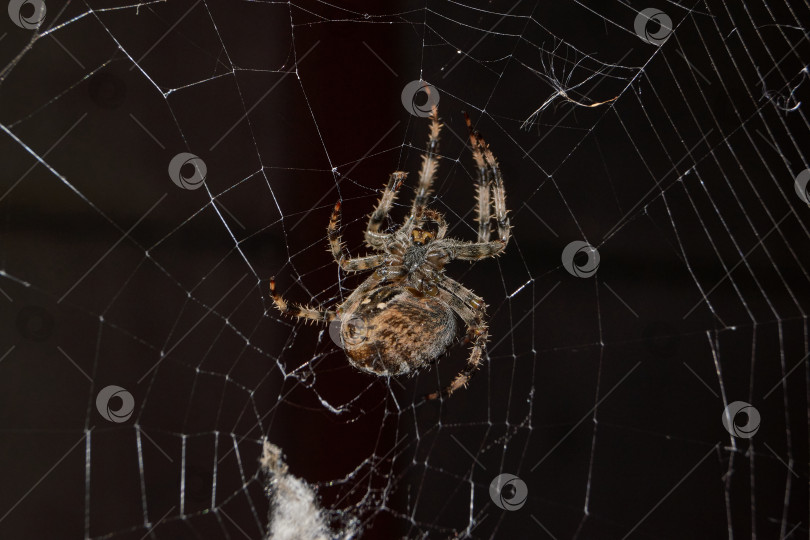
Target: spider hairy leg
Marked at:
430, 164
335, 244
298, 311
386, 200
483, 184
341, 256
361, 264
477, 335
499, 199
469, 251
486, 161
472, 310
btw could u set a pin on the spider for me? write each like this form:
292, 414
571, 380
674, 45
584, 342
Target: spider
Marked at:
404, 316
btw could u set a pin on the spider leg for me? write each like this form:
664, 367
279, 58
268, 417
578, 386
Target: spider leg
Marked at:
343, 258
359, 264
471, 309
499, 199
485, 158
430, 164
332, 232
473, 251
482, 187
300, 312
374, 238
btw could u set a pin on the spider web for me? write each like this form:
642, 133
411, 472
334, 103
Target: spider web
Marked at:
673, 149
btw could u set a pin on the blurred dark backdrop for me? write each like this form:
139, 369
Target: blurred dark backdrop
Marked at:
116, 276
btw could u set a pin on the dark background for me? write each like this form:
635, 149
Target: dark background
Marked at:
681, 181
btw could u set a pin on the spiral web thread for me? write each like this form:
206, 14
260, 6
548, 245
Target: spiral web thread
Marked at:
579, 380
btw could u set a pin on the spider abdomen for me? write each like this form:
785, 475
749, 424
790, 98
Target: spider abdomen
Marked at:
395, 332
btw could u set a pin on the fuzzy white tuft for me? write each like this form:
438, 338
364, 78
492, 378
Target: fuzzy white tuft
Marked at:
294, 510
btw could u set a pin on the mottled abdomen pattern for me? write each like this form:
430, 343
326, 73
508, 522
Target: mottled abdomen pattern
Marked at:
397, 331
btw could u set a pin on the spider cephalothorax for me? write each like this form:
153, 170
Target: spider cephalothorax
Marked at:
406, 313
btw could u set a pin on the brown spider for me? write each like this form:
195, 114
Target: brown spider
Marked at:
403, 316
